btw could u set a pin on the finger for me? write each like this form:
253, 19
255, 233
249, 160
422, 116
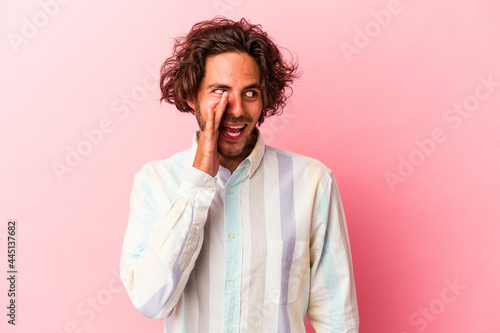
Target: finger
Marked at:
209, 125
211, 114
220, 108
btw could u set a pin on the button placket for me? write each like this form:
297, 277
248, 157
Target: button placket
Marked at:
232, 212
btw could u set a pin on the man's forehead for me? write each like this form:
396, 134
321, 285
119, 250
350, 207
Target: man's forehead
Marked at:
231, 69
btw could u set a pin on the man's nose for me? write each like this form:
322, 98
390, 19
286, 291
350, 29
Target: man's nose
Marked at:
234, 106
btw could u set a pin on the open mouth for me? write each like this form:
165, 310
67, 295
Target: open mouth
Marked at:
233, 131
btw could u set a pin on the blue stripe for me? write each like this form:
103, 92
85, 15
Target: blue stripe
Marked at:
233, 251
329, 271
287, 213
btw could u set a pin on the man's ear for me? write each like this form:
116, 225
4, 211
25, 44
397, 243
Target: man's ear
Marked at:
190, 103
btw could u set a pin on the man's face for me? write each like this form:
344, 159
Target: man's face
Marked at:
239, 75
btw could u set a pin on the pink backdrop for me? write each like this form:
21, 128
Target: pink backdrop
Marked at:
399, 98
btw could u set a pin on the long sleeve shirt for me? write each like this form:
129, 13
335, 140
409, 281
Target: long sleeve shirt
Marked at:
251, 251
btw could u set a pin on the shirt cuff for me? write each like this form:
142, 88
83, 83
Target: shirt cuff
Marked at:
195, 180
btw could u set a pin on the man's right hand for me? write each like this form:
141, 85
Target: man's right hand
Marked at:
207, 157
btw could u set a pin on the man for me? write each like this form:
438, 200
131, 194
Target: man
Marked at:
232, 235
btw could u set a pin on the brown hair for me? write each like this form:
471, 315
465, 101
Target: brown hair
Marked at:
182, 73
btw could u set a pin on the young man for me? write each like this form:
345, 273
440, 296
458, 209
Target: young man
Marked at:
232, 235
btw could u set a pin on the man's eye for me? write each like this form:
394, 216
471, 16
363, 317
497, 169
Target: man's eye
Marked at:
219, 91
251, 93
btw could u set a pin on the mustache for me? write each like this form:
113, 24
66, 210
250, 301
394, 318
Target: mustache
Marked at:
242, 119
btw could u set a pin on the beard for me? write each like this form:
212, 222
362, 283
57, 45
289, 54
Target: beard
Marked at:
245, 148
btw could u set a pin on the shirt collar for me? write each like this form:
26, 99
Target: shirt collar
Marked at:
255, 157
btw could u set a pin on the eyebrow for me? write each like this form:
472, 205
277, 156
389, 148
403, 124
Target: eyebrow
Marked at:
225, 86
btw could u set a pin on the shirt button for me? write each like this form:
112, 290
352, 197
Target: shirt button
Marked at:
197, 227
230, 329
232, 235
211, 189
231, 283
230, 190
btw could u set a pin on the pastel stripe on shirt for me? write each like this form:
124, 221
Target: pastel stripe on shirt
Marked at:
252, 251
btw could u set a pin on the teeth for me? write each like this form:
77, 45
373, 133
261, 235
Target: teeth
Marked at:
233, 134
230, 130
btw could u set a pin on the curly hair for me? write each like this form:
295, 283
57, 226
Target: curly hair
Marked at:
182, 73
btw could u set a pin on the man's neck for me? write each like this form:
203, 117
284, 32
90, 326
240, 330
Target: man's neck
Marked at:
230, 163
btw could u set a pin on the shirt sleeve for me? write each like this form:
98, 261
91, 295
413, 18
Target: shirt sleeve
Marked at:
161, 244
333, 305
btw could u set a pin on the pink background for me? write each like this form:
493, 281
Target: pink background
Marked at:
380, 81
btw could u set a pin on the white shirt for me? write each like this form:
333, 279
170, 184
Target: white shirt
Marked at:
252, 251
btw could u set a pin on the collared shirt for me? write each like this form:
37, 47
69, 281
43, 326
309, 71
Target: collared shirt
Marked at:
251, 251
